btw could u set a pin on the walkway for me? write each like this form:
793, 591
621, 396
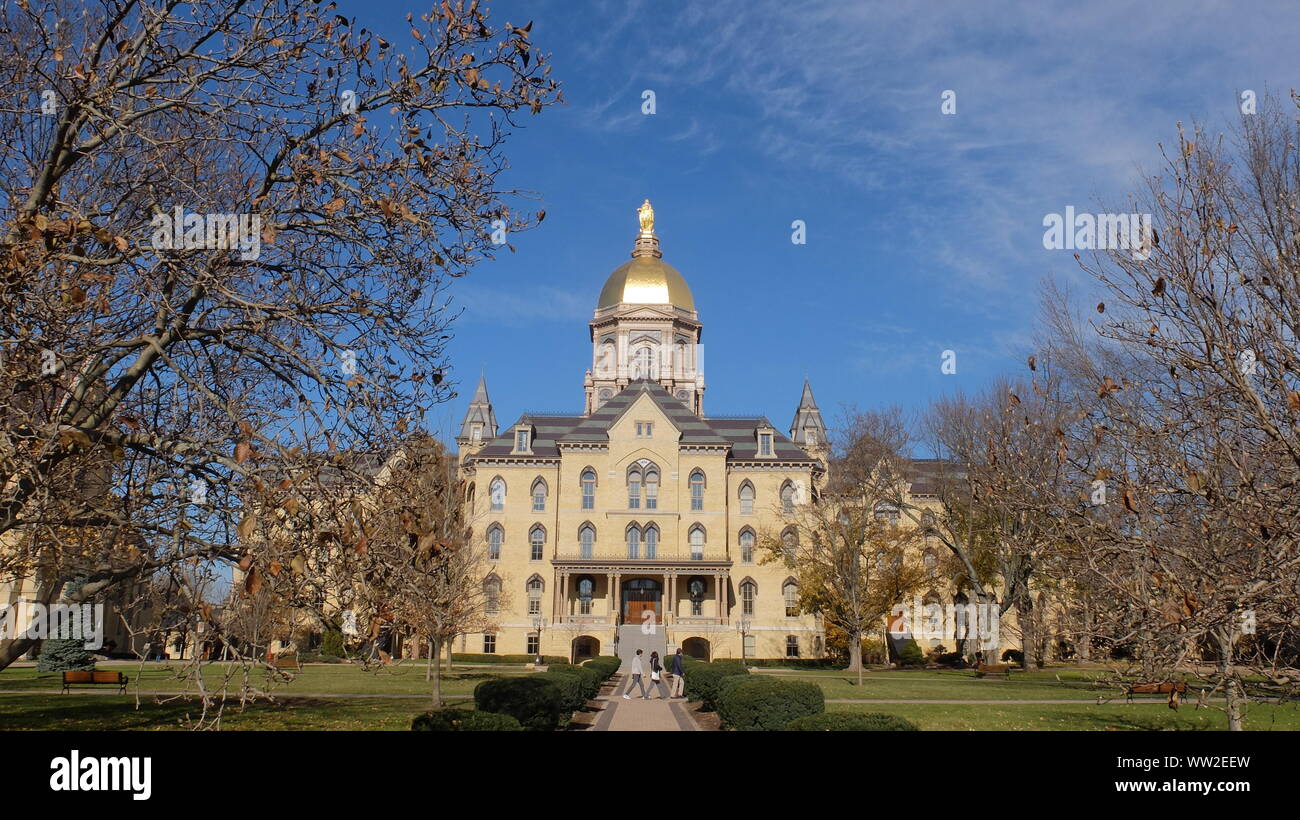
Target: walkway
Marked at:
637, 715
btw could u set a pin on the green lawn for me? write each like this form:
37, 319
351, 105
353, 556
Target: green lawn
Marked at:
1077, 717
113, 713
313, 679
1053, 683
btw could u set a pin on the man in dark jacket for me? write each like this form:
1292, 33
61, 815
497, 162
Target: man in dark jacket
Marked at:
679, 675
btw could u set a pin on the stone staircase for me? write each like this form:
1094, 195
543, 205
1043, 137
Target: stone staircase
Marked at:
631, 638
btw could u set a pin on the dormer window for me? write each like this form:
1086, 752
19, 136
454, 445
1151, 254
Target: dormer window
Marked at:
476, 433
523, 440
765, 444
810, 436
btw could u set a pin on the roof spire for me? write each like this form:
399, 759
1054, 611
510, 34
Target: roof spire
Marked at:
479, 417
808, 420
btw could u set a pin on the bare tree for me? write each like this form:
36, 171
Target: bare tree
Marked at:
226, 232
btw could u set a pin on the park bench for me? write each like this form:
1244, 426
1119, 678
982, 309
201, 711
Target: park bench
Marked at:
1173, 690
997, 670
289, 662
91, 677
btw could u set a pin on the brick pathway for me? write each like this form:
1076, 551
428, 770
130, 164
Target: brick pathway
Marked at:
638, 715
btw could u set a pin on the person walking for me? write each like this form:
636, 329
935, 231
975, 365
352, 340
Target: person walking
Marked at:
657, 675
679, 675
637, 671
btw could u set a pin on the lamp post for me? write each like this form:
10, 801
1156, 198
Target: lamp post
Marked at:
745, 623
538, 622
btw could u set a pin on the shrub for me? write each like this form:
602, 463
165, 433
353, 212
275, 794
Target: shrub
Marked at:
910, 654
461, 657
704, 679
952, 659
572, 690
762, 703
464, 720
795, 663
1013, 656
588, 678
536, 701
850, 722
63, 655
605, 665
331, 643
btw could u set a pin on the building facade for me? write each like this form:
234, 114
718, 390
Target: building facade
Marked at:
637, 522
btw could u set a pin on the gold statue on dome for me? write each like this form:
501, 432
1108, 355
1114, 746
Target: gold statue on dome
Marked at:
647, 216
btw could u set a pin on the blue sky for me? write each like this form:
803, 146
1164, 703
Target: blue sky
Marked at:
924, 231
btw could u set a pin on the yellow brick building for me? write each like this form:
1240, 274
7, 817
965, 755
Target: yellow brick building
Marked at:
637, 522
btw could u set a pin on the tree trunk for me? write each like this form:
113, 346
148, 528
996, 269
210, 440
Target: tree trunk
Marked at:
1231, 686
430, 659
437, 672
1028, 633
855, 654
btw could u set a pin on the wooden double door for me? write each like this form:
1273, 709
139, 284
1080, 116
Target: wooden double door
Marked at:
642, 595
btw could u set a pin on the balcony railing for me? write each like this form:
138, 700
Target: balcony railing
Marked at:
659, 558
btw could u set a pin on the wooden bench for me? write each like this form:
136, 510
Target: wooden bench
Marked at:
92, 677
997, 670
288, 662
1174, 690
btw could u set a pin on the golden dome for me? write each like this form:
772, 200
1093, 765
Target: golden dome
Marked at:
646, 280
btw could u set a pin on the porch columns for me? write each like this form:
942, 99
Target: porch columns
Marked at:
564, 593
615, 593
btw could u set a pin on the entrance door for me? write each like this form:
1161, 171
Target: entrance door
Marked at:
641, 595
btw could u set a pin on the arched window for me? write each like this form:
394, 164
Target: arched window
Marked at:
790, 541
746, 546
633, 542
588, 489
787, 498
697, 490
748, 593
587, 540
790, 592
651, 488
534, 587
695, 588
634, 488
697, 543
586, 589
606, 366
495, 536
539, 495
492, 595
469, 496
886, 513
497, 492
651, 541
536, 542
642, 363
746, 499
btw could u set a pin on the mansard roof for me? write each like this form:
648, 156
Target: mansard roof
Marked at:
738, 434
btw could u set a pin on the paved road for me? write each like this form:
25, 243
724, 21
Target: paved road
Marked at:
637, 715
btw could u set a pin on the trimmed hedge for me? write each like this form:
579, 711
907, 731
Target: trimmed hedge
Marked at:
536, 701
851, 722
460, 657
464, 720
795, 663
703, 681
605, 665
761, 703
572, 691
588, 678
